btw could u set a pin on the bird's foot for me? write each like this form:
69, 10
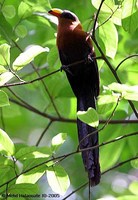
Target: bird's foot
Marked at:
88, 59
66, 69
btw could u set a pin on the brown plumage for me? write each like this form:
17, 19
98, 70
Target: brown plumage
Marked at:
75, 45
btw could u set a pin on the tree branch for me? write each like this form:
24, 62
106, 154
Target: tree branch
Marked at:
43, 83
114, 73
72, 153
114, 167
63, 119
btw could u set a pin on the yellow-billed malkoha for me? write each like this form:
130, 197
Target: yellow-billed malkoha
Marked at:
75, 45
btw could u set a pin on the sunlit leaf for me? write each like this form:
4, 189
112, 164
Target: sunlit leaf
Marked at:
106, 103
133, 187
24, 10
89, 117
5, 77
4, 54
107, 32
27, 56
6, 144
134, 163
33, 152
58, 179
4, 101
129, 15
128, 8
32, 176
2, 69
127, 92
107, 6
58, 140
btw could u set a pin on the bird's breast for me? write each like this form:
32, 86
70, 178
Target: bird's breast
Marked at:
73, 44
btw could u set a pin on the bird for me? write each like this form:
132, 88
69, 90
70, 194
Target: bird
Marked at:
78, 60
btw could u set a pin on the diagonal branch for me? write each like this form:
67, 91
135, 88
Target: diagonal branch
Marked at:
114, 73
43, 83
114, 167
72, 153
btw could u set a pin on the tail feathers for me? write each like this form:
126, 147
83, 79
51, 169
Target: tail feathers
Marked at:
90, 157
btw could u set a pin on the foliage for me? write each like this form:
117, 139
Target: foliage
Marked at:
38, 108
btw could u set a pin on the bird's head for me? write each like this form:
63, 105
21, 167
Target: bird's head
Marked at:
65, 17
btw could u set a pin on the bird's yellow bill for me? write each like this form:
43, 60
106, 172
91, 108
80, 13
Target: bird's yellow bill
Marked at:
56, 12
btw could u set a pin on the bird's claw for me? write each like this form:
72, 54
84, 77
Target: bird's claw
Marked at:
88, 59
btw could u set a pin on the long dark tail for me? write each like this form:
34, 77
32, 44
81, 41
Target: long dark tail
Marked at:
90, 157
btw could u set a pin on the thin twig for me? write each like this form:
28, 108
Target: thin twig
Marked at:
47, 75
43, 83
120, 164
29, 82
44, 131
131, 56
106, 123
74, 191
114, 73
63, 119
113, 12
110, 141
114, 167
43, 114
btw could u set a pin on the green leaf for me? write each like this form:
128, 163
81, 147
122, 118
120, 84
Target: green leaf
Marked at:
41, 6
24, 10
58, 179
4, 55
2, 69
4, 101
53, 58
127, 92
6, 144
33, 175
58, 140
6, 30
8, 11
107, 6
108, 32
21, 31
27, 56
128, 8
89, 117
134, 163
130, 23
106, 103
105, 153
33, 152
5, 77
129, 15
24, 189
133, 187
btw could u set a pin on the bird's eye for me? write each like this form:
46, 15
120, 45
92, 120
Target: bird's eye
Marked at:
68, 15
